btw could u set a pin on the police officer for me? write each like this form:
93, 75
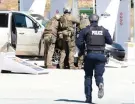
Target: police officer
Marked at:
67, 22
94, 37
50, 36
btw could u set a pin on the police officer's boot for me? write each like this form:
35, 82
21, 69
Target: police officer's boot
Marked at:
88, 89
88, 100
101, 90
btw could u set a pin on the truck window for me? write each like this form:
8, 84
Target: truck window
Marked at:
23, 21
3, 20
29, 23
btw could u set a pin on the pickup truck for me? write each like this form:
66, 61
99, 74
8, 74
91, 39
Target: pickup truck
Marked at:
22, 31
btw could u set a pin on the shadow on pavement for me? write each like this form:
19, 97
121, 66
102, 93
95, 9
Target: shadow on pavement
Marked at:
73, 101
9, 72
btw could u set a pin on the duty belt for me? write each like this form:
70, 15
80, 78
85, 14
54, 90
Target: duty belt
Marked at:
95, 51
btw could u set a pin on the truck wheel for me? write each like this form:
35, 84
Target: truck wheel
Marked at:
14, 46
56, 56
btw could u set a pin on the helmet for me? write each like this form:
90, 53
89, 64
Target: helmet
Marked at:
57, 16
93, 18
85, 16
67, 9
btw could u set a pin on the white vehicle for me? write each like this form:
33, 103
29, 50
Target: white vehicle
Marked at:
22, 31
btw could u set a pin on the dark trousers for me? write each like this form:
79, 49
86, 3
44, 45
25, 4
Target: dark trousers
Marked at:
93, 62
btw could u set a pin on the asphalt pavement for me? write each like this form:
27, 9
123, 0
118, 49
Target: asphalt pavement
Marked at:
66, 87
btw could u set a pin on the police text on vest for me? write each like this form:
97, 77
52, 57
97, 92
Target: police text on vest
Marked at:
97, 32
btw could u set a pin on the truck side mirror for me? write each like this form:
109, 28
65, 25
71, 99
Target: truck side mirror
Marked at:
36, 26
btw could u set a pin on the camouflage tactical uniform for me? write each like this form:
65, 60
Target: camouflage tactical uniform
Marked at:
84, 21
50, 36
67, 34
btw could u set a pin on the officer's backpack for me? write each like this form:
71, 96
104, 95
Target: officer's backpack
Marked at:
63, 22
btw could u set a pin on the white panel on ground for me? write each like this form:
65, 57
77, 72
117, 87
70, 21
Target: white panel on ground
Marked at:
15, 64
36, 62
109, 17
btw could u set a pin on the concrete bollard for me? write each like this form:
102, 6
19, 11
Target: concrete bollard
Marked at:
130, 54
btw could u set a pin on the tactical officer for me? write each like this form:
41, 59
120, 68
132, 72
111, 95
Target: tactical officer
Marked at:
50, 36
79, 57
94, 37
84, 21
67, 34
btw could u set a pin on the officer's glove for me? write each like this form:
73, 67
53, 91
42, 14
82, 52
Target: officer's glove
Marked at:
76, 61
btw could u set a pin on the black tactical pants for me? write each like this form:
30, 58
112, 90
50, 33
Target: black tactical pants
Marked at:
93, 62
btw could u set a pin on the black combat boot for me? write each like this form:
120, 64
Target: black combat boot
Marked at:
88, 89
76, 61
88, 100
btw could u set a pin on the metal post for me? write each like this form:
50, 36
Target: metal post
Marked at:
73, 8
75, 11
18, 5
95, 7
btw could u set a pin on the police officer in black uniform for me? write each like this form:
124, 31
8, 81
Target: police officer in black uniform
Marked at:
94, 37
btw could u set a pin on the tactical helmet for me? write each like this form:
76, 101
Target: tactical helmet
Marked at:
93, 18
57, 16
67, 9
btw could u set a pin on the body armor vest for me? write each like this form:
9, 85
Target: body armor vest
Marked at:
66, 21
95, 39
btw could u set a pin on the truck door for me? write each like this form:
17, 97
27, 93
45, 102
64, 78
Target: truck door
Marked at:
4, 29
28, 36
